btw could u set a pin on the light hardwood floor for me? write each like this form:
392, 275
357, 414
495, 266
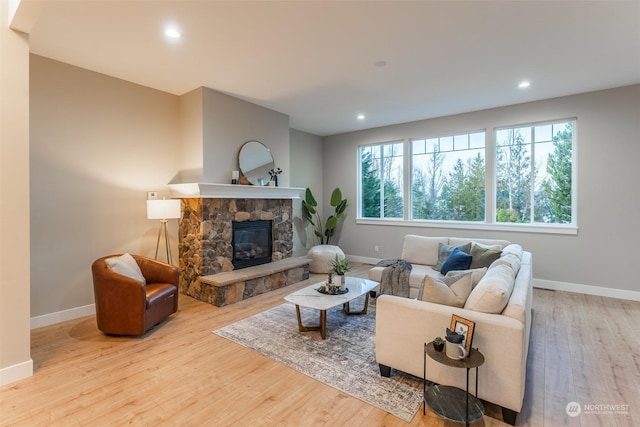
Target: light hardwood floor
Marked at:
583, 349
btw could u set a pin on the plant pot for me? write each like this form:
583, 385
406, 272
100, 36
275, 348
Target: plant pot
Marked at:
438, 347
339, 279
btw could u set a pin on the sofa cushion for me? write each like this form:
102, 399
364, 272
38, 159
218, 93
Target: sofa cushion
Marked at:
484, 255
458, 260
513, 249
493, 291
421, 249
444, 250
126, 265
511, 260
476, 274
486, 242
452, 290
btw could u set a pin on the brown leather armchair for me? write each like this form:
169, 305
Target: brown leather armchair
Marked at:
124, 306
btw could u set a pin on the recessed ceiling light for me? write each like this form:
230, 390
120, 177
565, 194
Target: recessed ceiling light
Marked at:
360, 117
172, 33
524, 84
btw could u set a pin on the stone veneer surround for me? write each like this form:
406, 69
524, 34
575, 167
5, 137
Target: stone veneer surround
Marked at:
205, 233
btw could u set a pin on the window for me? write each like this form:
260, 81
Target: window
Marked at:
448, 178
534, 173
381, 180
521, 176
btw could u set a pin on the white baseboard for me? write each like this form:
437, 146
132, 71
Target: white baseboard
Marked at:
62, 316
553, 285
587, 289
16, 372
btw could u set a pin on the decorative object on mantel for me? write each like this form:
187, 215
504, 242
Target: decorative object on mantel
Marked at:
274, 176
255, 161
163, 210
235, 176
309, 209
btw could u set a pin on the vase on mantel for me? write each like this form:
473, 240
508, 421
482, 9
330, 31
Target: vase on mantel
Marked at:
274, 179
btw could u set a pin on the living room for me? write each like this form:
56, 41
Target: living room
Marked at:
97, 144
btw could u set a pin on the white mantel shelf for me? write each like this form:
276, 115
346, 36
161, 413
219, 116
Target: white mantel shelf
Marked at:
233, 191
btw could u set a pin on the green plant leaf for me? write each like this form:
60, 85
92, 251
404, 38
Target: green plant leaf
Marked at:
307, 207
336, 197
332, 221
341, 208
308, 197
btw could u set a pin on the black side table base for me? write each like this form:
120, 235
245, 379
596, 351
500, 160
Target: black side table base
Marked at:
450, 403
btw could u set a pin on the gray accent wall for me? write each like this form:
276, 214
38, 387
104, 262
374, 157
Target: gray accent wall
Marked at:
306, 172
608, 149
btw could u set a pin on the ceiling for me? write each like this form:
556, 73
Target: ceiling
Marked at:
319, 61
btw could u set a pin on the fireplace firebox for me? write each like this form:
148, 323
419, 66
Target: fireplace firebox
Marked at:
251, 242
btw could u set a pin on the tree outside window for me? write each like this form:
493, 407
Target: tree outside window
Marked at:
533, 173
448, 178
381, 181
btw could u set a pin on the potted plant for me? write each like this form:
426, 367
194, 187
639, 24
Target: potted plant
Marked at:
323, 231
340, 267
438, 343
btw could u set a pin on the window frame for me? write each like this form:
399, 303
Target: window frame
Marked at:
489, 223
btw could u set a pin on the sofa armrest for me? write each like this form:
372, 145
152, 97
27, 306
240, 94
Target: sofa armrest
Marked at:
155, 271
115, 293
404, 325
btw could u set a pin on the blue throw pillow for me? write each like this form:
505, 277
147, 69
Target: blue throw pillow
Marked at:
458, 260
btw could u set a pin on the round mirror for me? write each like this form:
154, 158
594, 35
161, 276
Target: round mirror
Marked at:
255, 161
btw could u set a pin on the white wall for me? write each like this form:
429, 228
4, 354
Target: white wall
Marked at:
306, 172
605, 248
15, 337
230, 122
98, 144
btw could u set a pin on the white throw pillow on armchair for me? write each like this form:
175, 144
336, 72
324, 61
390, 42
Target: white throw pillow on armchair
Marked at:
127, 266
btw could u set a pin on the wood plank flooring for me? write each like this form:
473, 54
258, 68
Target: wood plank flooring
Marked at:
583, 349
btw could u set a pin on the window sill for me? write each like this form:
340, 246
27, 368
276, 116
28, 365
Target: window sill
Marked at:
517, 228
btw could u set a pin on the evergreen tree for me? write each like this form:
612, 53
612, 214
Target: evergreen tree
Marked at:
513, 184
370, 187
393, 206
427, 187
558, 187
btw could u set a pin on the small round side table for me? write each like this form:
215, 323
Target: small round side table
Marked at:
453, 403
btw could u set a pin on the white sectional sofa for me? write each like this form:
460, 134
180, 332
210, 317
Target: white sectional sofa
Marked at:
499, 304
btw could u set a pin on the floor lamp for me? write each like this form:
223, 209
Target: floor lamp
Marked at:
163, 210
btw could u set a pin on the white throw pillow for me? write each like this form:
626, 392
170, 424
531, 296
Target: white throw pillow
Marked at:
513, 249
492, 293
451, 291
127, 266
476, 274
511, 260
421, 249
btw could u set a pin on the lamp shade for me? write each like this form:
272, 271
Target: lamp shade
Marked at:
163, 209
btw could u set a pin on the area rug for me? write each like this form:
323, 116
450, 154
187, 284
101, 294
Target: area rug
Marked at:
345, 360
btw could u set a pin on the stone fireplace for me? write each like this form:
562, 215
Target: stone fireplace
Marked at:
251, 242
206, 240
206, 235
